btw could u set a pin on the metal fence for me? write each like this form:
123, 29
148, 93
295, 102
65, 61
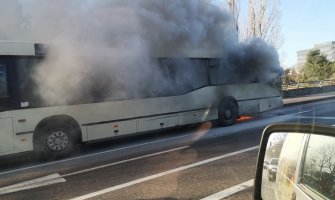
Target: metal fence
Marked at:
312, 84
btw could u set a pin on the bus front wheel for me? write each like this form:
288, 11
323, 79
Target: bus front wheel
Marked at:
55, 141
228, 111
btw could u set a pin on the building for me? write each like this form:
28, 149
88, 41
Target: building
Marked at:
326, 48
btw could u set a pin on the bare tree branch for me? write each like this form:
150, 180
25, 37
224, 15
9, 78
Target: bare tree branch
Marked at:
234, 8
263, 21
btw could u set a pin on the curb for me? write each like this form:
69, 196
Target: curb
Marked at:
308, 101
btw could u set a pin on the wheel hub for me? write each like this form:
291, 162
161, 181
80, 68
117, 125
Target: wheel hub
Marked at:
227, 114
57, 140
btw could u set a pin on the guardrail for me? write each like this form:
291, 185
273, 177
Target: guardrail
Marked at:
312, 84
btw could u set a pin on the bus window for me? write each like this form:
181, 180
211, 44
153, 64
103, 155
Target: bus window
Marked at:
218, 73
187, 75
318, 173
3, 82
26, 83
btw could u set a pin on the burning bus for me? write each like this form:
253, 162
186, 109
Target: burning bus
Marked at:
53, 129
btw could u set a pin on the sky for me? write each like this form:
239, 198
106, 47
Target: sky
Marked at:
303, 24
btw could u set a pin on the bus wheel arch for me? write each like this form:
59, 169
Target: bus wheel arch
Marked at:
56, 136
228, 111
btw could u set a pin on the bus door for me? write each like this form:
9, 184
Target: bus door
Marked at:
6, 117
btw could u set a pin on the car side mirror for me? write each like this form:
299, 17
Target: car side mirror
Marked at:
296, 162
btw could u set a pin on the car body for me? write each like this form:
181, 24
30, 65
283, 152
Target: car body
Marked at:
272, 169
266, 165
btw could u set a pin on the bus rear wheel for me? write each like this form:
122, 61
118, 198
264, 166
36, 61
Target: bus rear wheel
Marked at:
228, 111
55, 141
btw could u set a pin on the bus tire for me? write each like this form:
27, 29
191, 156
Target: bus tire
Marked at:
228, 111
55, 140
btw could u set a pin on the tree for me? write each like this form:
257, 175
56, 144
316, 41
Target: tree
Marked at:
331, 161
333, 69
317, 67
264, 16
263, 20
234, 8
289, 76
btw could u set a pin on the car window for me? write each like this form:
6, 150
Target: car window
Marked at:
318, 173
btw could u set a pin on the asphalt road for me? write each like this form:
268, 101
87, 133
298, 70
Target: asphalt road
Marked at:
188, 163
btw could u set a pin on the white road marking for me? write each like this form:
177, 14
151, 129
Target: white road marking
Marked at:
301, 112
56, 178
309, 117
230, 191
117, 187
123, 161
39, 182
94, 154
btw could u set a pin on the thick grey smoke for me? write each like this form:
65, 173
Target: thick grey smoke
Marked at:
120, 38
11, 21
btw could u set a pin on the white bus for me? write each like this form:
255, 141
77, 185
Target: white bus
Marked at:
55, 131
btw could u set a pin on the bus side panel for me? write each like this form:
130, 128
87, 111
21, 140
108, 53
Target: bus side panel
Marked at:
197, 116
248, 107
159, 122
259, 105
24, 142
6, 135
269, 103
100, 131
249, 91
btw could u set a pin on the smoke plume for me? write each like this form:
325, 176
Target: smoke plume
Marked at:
112, 44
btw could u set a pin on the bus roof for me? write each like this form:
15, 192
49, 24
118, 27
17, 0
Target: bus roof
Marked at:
190, 53
15, 48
